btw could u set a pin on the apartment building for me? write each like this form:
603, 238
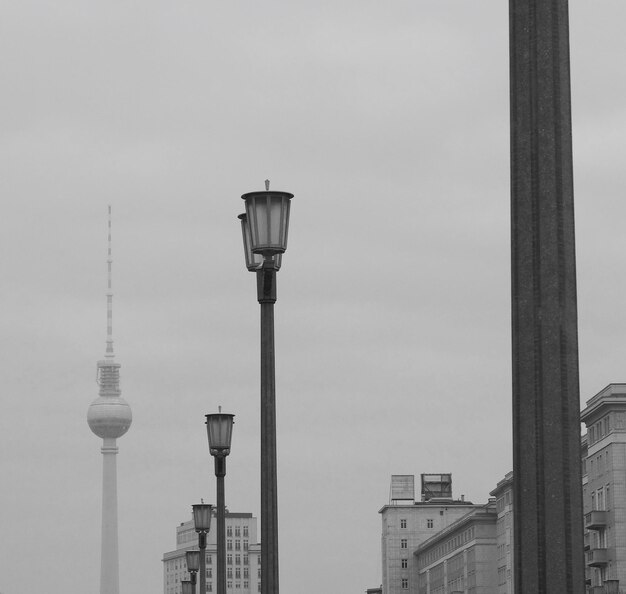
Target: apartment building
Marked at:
462, 557
604, 490
407, 523
439, 545
243, 556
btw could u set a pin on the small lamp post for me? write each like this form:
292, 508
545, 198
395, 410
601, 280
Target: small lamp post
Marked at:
187, 586
219, 428
265, 228
202, 524
193, 564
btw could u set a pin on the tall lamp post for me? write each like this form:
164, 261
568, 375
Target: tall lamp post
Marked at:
202, 524
193, 564
265, 226
219, 428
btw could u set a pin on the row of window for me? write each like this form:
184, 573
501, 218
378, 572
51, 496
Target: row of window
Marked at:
600, 498
229, 545
190, 535
601, 464
503, 501
429, 523
447, 547
229, 585
229, 531
182, 564
598, 430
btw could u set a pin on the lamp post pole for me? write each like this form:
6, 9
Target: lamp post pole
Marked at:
219, 432
265, 226
266, 294
220, 473
202, 523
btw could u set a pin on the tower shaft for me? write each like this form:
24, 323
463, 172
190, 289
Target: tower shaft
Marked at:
109, 568
109, 417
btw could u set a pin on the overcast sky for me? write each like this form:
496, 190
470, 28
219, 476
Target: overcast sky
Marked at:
388, 121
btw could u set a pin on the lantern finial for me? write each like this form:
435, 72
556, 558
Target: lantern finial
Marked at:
267, 185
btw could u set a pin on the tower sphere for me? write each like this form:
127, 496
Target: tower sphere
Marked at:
109, 416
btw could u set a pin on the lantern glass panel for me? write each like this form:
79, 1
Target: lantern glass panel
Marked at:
268, 216
193, 560
219, 431
187, 587
202, 517
253, 261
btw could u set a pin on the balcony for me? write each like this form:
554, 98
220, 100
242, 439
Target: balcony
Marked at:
594, 520
597, 557
609, 587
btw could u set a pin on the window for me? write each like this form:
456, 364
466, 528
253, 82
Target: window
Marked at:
405, 583
245, 531
209, 572
229, 559
238, 545
429, 523
246, 585
229, 545
402, 523
245, 560
229, 584
209, 560
404, 543
405, 563
600, 496
237, 531
245, 545
237, 559
229, 573
229, 531
246, 572
238, 573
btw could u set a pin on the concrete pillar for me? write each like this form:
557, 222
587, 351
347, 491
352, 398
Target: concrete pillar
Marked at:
109, 569
548, 535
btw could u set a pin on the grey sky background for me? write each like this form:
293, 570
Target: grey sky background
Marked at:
389, 123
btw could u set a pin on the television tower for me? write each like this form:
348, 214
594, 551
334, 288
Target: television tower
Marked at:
109, 417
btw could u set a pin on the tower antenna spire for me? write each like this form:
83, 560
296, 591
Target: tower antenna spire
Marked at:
109, 349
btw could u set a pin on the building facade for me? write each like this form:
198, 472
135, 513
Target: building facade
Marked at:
503, 495
604, 490
446, 546
407, 523
243, 556
462, 557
